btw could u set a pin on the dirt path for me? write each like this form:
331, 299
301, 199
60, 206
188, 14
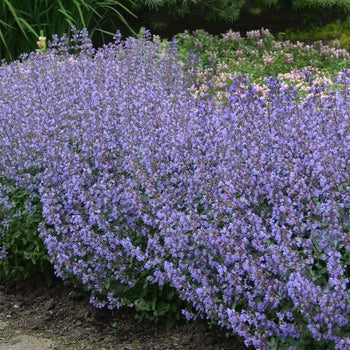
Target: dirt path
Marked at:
34, 317
27, 342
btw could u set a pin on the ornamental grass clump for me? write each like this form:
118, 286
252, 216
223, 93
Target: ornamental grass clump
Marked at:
240, 209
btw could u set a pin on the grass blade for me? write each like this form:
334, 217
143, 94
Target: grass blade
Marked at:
15, 16
82, 19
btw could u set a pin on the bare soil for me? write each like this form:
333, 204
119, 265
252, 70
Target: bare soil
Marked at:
63, 314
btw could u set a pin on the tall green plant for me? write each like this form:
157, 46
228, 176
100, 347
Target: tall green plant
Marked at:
21, 22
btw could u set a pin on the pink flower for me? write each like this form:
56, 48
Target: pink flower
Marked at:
288, 57
230, 35
268, 60
265, 32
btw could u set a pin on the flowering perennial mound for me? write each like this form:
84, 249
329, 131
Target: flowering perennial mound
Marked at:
242, 206
220, 59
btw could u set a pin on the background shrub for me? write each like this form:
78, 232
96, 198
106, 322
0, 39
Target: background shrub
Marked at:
338, 30
218, 60
169, 17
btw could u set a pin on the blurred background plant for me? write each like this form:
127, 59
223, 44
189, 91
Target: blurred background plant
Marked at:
259, 55
169, 17
22, 22
335, 31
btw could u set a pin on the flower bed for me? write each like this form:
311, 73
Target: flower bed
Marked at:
241, 206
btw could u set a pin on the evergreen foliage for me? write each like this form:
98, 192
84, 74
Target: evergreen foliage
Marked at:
300, 4
161, 14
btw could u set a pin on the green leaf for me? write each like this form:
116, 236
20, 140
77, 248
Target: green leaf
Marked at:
15, 16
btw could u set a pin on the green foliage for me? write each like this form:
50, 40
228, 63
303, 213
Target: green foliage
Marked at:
226, 10
338, 30
163, 14
230, 10
151, 302
21, 22
157, 303
304, 343
259, 54
26, 255
301, 4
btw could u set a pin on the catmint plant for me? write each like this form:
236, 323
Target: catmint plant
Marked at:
241, 206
